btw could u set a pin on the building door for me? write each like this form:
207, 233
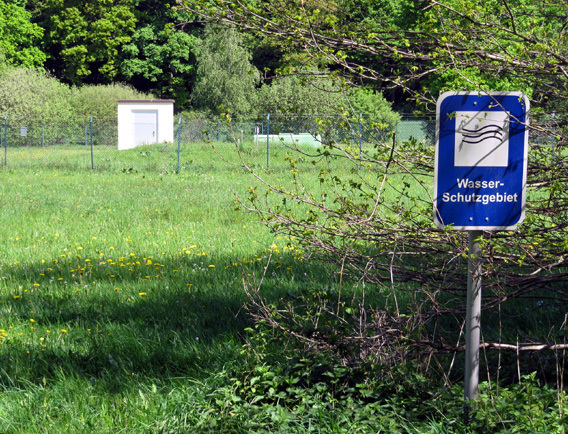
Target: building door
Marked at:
145, 127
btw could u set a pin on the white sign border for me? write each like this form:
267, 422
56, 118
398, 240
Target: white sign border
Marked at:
439, 102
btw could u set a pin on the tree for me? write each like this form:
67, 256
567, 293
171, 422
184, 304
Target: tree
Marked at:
306, 93
161, 56
377, 224
314, 93
480, 42
19, 37
162, 61
83, 38
225, 76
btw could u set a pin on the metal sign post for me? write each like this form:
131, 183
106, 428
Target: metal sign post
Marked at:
473, 316
479, 184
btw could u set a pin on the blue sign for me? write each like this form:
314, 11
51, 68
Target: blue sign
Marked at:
481, 160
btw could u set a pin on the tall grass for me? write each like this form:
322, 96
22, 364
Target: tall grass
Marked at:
121, 297
120, 287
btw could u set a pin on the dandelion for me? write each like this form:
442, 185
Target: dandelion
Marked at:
63, 331
141, 294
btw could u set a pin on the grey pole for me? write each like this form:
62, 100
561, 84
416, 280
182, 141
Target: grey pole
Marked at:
473, 317
553, 136
179, 142
360, 136
91, 129
267, 139
6, 139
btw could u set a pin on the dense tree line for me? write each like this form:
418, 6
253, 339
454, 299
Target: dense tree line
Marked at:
406, 50
160, 48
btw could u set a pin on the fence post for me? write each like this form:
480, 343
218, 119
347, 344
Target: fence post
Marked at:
553, 135
396, 128
267, 139
91, 134
360, 136
218, 131
6, 139
179, 142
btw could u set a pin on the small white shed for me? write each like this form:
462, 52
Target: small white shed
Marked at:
144, 122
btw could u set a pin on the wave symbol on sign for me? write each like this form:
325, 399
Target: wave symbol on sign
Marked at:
487, 132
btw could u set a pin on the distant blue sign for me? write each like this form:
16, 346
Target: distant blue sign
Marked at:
481, 160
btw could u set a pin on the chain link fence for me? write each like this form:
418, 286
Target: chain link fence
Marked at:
264, 141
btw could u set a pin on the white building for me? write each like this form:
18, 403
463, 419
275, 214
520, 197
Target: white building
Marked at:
144, 122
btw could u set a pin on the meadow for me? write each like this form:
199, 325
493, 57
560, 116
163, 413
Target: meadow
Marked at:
121, 301
121, 287
117, 287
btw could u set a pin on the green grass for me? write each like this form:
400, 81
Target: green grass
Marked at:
120, 288
121, 297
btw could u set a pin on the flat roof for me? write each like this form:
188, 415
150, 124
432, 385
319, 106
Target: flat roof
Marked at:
146, 100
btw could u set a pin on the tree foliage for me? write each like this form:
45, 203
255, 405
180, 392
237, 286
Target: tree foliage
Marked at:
20, 38
225, 76
376, 224
27, 94
485, 44
306, 93
161, 56
161, 60
83, 38
100, 100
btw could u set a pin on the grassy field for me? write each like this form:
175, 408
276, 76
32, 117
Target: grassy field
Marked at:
121, 299
120, 291
120, 287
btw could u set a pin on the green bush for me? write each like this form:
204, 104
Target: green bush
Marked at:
28, 94
100, 100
